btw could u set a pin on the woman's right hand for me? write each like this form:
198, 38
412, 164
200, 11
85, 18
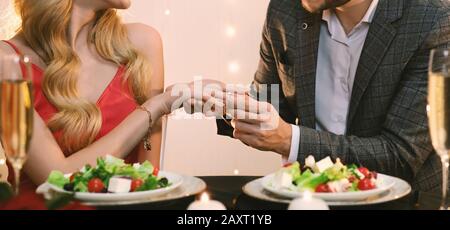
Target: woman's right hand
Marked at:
164, 103
175, 96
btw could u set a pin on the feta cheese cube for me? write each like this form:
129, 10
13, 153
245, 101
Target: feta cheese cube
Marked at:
324, 164
310, 162
282, 180
119, 185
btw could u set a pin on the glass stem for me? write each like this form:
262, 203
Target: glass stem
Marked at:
445, 166
17, 169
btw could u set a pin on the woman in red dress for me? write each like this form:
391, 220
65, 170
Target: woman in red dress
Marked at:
91, 72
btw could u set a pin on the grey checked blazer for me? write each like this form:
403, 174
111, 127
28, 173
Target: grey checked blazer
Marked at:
387, 127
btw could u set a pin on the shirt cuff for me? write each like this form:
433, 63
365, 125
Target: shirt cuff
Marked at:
295, 143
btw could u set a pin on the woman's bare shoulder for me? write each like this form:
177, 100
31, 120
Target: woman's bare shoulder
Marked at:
6, 49
147, 41
144, 37
21, 45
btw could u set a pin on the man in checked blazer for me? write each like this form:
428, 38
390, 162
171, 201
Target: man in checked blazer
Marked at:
353, 79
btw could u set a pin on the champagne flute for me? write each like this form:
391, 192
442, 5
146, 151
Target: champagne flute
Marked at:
439, 112
16, 110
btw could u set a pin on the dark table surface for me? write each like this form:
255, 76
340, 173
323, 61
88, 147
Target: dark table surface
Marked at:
228, 190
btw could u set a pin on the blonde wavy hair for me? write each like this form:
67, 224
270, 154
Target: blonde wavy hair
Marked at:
44, 27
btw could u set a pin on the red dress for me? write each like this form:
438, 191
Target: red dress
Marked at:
115, 104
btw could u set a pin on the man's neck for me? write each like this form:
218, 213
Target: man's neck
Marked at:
352, 13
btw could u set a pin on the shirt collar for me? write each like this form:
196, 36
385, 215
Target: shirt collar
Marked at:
370, 12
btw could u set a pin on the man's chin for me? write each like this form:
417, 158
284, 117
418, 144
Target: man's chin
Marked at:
335, 3
328, 4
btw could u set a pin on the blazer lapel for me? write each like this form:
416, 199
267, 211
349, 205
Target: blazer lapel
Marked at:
380, 36
308, 32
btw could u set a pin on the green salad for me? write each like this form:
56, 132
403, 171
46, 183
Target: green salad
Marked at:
111, 175
325, 177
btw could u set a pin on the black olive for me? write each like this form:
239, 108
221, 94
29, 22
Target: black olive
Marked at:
306, 168
69, 187
163, 182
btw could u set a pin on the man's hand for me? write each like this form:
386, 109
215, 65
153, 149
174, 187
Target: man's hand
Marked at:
206, 98
259, 125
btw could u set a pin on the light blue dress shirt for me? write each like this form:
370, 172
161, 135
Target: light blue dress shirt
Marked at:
338, 59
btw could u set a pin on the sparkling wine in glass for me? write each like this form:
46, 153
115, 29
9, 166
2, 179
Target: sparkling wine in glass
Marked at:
439, 112
16, 110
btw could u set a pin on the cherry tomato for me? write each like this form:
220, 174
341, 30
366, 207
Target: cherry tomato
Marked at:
364, 171
323, 188
135, 184
95, 185
155, 171
366, 184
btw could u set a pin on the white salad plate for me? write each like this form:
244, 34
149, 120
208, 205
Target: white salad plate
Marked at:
175, 181
389, 189
386, 182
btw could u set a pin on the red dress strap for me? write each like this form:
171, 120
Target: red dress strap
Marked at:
14, 47
17, 50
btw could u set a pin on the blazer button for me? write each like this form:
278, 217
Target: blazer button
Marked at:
305, 26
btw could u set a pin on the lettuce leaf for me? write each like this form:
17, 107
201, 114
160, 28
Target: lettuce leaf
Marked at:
150, 183
112, 164
137, 171
58, 179
145, 170
337, 173
354, 187
310, 181
293, 170
81, 186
